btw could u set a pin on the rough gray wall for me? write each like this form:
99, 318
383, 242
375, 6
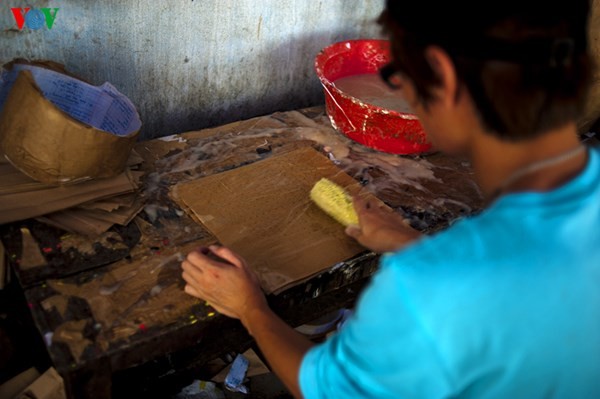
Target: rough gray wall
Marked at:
192, 64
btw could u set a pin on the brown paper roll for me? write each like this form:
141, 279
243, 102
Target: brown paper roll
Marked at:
52, 147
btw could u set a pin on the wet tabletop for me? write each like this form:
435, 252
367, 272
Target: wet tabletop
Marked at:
117, 300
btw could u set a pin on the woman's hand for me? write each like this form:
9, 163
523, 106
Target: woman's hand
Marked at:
229, 285
381, 229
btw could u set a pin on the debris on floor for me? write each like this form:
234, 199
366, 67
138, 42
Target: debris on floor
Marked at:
201, 390
31, 385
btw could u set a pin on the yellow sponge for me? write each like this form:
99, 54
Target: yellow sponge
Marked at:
335, 201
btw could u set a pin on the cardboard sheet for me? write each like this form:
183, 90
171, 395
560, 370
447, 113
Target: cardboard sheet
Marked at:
76, 223
93, 222
263, 212
122, 215
22, 205
49, 385
14, 181
111, 204
12, 387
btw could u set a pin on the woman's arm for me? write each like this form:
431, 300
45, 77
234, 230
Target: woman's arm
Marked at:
381, 229
225, 281
233, 289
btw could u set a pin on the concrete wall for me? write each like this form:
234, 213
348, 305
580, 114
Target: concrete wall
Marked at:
189, 64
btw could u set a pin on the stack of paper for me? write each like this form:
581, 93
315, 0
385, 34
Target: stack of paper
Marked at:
90, 208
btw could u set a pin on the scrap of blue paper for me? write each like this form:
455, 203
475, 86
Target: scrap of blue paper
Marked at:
102, 107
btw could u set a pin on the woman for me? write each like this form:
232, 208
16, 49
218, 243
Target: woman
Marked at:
504, 304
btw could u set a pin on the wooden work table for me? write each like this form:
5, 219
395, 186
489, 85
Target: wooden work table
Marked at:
112, 310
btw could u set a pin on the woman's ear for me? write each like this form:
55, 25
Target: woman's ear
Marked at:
443, 67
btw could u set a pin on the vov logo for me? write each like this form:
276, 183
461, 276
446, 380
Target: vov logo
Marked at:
34, 18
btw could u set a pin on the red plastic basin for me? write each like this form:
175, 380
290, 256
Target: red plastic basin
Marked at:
375, 127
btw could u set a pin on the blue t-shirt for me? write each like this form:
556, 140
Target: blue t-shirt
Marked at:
505, 304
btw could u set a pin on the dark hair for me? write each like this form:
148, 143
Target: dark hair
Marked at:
525, 63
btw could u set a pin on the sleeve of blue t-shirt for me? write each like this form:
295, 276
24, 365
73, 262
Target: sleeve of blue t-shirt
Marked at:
381, 352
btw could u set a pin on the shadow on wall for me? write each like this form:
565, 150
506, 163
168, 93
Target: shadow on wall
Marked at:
281, 79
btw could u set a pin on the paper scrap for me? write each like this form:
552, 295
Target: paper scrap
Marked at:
201, 390
235, 379
31, 256
102, 107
